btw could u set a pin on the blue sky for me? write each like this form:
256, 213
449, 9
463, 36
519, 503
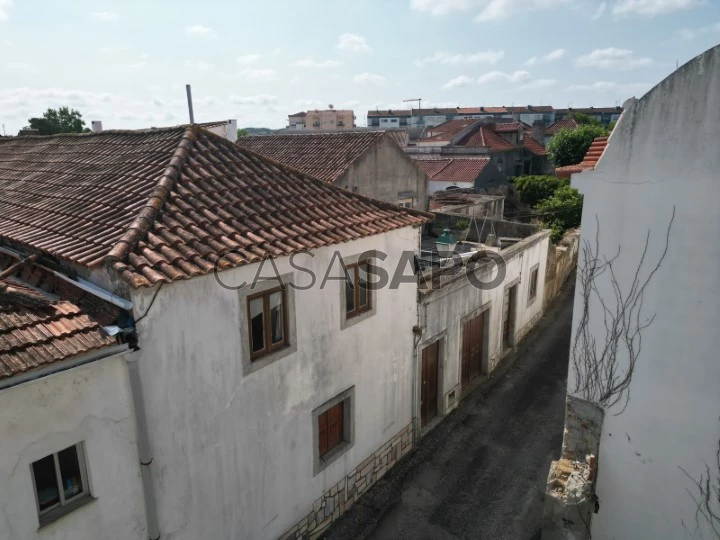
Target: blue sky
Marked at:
126, 63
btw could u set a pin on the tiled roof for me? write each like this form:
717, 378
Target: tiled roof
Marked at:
592, 156
529, 109
510, 127
301, 114
565, 123
448, 130
38, 328
485, 136
321, 155
453, 169
590, 110
168, 204
532, 145
403, 112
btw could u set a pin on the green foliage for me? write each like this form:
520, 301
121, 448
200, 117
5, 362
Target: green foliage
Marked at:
62, 120
562, 211
461, 224
585, 119
533, 189
611, 126
569, 147
242, 133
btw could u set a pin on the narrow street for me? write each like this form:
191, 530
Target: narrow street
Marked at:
481, 473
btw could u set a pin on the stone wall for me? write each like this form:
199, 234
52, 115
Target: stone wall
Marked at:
561, 261
339, 498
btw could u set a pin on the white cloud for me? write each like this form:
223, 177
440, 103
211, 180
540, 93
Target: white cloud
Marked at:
692, 33
653, 7
353, 42
260, 74
495, 10
137, 65
552, 56
260, 99
248, 58
157, 101
198, 65
449, 59
369, 78
105, 15
538, 84
198, 30
308, 103
500, 76
458, 82
22, 67
442, 7
612, 58
610, 87
600, 11
311, 63
5, 6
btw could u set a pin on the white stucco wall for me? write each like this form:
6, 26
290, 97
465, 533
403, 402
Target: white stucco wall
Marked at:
435, 185
90, 403
233, 454
443, 311
663, 153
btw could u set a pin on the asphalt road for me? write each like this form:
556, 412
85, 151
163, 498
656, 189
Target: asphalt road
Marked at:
480, 473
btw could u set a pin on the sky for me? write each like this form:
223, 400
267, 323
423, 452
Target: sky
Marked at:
126, 63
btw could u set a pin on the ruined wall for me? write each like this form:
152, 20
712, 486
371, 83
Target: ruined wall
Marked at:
562, 260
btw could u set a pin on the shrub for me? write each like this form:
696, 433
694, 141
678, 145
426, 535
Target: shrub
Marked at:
533, 189
569, 147
562, 211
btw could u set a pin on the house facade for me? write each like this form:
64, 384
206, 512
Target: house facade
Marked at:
237, 414
325, 120
649, 229
369, 163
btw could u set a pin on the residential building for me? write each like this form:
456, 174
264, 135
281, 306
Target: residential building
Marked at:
566, 123
369, 163
326, 120
604, 115
468, 202
459, 173
644, 372
70, 441
258, 421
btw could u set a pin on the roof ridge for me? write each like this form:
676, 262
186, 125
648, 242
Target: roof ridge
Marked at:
146, 216
88, 134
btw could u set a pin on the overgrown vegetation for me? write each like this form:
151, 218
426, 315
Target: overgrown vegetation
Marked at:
569, 147
562, 211
585, 119
62, 120
533, 189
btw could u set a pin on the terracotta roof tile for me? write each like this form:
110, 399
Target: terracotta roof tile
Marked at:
509, 127
453, 169
591, 159
532, 145
322, 155
161, 205
485, 136
38, 328
565, 123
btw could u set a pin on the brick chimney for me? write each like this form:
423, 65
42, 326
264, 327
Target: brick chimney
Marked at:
538, 131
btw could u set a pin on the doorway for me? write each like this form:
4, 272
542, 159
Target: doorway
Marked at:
472, 349
509, 302
429, 383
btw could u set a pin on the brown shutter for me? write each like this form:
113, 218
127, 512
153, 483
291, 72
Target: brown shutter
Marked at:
322, 433
335, 426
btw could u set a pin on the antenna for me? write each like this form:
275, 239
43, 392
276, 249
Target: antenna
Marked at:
189, 98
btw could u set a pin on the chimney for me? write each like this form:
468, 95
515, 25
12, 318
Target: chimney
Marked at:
96, 126
538, 131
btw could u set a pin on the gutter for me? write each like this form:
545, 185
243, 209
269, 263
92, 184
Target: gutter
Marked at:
143, 438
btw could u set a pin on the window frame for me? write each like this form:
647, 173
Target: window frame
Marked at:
354, 270
269, 347
63, 506
347, 398
533, 284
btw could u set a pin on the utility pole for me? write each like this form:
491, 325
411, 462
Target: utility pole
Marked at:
189, 99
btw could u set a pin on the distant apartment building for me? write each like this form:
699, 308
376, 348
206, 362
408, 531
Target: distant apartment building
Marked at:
327, 120
384, 119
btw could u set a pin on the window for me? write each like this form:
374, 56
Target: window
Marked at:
405, 203
532, 293
330, 429
357, 292
268, 322
333, 429
60, 481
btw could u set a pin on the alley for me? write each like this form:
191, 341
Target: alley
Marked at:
481, 473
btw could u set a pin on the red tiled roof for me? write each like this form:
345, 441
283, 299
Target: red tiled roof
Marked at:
532, 145
592, 156
321, 155
447, 130
453, 169
590, 110
565, 123
531, 109
38, 328
509, 127
169, 204
485, 136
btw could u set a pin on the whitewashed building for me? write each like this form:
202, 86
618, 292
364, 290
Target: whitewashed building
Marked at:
262, 411
651, 209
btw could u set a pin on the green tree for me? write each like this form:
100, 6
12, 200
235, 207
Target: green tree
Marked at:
569, 147
585, 119
242, 133
562, 211
533, 189
611, 126
62, 120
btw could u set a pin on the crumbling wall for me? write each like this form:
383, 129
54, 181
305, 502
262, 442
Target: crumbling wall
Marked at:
561, 261
570, 494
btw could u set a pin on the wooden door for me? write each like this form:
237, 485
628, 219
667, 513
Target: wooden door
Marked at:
472, 349
509, 315
429, 383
